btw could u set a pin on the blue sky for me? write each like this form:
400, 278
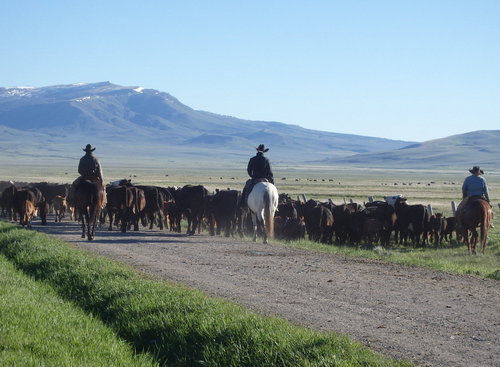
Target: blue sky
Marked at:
410, 70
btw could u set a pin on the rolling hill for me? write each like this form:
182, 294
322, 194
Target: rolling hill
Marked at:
464, 150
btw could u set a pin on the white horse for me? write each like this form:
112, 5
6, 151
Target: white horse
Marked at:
263, 202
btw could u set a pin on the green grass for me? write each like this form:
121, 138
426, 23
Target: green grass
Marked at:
38, 328
452, 257
179, 326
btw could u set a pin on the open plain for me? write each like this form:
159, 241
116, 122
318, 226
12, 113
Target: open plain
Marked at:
431, 317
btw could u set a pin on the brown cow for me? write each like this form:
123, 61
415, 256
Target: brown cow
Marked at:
60, 207
29, 212
437, 228
25, 204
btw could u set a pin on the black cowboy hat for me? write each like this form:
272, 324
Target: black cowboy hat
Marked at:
88, 148
261, 148
476, 169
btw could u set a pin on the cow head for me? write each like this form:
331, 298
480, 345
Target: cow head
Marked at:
391, 200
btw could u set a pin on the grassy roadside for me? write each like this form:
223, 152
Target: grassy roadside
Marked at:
180, 327
38, 328
451, 258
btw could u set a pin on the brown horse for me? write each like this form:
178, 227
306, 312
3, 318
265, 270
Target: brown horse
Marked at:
89, 199
476, 213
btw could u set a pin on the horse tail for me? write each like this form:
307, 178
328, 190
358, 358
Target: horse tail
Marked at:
485, 225
136, 201
269, 214
94, 199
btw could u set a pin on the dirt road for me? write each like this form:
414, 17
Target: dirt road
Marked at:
429, 317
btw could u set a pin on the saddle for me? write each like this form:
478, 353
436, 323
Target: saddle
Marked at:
248, 189
93, 179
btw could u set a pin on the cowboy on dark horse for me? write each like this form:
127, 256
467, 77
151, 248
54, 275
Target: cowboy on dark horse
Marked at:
89, 166
258, 169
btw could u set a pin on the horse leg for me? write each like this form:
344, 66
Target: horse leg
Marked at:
481, 239
255, 226
262, 227
93, 222
474, 241
87, 225
82, 219
264, 232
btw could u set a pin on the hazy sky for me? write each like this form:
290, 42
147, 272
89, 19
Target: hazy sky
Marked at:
411, 70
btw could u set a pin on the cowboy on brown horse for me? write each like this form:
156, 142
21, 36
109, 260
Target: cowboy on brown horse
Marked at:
474, 186
475, 209
89, 193
90, 169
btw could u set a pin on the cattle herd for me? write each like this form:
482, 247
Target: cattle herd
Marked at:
128, 206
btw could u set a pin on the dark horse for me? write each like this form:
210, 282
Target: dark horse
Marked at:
89, 198
476, 213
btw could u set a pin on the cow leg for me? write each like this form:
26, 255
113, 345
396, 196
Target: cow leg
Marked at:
110, 216
160, 221
151, 218
190, 224
124, 220
195, 223
136, 222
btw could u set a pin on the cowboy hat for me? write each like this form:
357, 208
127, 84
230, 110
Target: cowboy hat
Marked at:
261, 148
476, 169
88, 148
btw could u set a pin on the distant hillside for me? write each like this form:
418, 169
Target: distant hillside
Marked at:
464, 150
134, 125
58, 120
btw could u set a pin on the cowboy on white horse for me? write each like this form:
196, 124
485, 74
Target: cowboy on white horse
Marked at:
258, 168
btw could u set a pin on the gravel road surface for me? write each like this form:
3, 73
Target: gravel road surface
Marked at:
432, 318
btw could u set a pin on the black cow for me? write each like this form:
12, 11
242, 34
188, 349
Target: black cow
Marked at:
8, 201
450, 228
382, 220
51, 190
294, 229
285, 213
154, 204
173, 216
343, 226
191, 202
116, 204
412, 220
318, 220
223, 213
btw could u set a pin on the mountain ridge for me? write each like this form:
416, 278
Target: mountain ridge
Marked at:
147, 123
